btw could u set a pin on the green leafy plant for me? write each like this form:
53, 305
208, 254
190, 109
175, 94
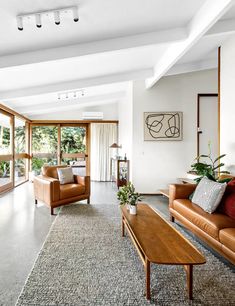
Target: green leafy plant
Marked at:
128, 195
209, 168
4, 169
123, 195
37, 164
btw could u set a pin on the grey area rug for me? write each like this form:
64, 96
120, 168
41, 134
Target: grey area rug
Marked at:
85, 261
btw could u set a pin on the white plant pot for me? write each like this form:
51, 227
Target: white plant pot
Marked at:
133, 209
128, 206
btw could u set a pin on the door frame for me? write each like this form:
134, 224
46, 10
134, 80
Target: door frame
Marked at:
200, 95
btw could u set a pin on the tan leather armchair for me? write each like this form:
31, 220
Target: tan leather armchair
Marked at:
47, 188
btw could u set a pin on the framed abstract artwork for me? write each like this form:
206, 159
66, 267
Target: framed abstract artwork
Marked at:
163, 126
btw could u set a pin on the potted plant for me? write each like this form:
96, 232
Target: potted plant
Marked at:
123, 196
209, 167
134, 199
127, 195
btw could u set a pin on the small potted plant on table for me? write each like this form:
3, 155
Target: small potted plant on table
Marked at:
123, 196
128, 196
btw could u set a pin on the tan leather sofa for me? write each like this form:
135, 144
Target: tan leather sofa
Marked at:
217, 229
47, 188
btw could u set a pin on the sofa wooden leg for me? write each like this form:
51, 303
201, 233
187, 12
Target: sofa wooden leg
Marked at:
52, 211
88, 201
172, 219
36, 201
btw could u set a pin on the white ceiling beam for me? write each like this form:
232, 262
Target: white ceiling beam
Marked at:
69, 103
64, 108
192, 66
108, 45
72, 85
204, 19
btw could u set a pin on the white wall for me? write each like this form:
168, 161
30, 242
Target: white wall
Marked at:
125, 128
158, 163
110, 113
227, 139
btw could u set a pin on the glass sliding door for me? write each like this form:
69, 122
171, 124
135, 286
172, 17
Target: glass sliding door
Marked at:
21, 151
6, 151
44, 146
74, 148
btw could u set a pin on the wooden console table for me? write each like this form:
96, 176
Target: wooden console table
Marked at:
157, 241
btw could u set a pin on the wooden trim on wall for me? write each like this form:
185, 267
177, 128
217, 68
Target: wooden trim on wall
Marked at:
69, 122
12, 112
219, 69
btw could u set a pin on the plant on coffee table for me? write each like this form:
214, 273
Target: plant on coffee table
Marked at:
123, 195
128, 195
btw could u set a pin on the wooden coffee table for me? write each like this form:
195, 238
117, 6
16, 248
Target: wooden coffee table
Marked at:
157, 241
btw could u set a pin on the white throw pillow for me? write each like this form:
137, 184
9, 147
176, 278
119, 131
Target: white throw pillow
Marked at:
65, 175
208, 194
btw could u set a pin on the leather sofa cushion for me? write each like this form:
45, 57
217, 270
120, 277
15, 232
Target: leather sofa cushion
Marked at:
71, 190
210, 223
227, 238
51, 171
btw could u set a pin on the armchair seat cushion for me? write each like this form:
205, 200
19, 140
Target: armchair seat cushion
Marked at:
71, 190
209, 223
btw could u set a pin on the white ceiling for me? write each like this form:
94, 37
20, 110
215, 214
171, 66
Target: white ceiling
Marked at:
99, 20
113, 42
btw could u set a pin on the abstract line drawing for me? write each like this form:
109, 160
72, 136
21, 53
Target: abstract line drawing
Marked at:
163, 126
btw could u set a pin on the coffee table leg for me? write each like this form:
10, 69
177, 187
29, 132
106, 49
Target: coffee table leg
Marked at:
147, 274
189, 272
123, 227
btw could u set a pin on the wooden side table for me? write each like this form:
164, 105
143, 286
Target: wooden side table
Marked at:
119, 169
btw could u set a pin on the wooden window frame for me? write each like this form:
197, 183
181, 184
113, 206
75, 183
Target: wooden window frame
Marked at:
61, 155
13, 156
9, 157
24, 155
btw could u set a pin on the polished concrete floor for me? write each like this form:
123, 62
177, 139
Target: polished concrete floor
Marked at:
24, 227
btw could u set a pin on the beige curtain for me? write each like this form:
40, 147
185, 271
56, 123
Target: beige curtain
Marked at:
102, 136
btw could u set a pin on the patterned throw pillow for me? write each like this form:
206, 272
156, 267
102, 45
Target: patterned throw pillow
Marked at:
65, 175
208, 194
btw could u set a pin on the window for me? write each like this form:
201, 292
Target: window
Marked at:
59, 144
6, 151
21, 156
44, 146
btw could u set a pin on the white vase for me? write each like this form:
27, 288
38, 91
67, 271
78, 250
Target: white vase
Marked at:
133, 209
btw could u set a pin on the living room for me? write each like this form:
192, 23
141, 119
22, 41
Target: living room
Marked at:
80, 84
